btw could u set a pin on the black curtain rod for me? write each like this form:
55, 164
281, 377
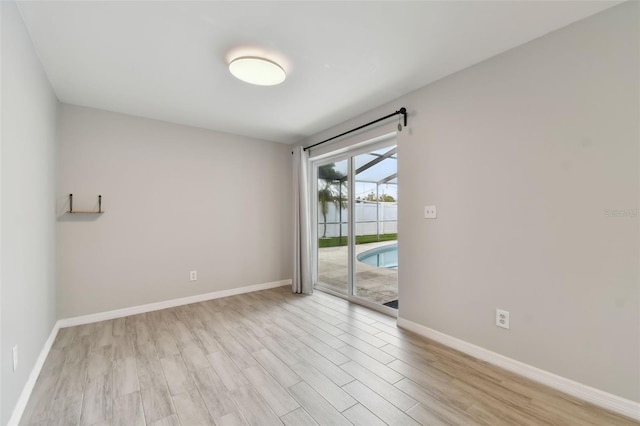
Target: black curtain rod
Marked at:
402, 111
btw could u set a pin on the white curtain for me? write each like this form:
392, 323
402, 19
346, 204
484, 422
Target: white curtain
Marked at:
302, 227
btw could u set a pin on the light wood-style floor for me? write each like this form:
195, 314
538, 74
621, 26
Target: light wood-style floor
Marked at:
272, 357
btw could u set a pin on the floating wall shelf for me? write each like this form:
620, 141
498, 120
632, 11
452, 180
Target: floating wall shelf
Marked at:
71, 210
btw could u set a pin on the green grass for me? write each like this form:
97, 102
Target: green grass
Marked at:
360, 239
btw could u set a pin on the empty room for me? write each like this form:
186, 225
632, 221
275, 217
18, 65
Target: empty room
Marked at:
319, 213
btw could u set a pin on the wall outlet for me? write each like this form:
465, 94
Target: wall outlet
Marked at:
430, 212
502, 318
14, 352
193, 275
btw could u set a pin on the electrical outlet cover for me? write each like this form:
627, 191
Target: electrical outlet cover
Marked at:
502, 318
14, 352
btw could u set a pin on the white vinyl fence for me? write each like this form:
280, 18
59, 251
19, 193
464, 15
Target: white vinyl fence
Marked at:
371, 219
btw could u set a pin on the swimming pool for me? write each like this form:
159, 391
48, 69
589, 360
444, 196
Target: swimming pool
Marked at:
382, 257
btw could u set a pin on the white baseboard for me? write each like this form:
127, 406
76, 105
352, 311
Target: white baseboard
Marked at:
18, 410
595, 396
118, 313
140, 309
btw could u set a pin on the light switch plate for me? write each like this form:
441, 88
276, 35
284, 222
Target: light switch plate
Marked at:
430, 212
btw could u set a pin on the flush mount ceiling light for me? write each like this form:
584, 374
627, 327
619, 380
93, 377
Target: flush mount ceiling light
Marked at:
256, 70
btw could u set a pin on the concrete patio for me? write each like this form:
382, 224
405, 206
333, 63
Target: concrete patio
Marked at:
378, 285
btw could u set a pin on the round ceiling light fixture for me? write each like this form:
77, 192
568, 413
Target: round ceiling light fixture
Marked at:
256, 70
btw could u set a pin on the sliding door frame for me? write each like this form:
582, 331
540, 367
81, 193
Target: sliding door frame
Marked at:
349, 154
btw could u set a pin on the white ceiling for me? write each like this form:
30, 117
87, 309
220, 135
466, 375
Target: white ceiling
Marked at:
167, 59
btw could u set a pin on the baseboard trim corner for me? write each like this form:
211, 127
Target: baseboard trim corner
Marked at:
21, 404
587, 393
172, 303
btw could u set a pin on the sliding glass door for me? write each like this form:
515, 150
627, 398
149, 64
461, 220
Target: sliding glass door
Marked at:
356, 205
376, 226
332, 196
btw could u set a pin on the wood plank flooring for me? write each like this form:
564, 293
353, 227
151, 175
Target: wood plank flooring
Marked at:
272, 358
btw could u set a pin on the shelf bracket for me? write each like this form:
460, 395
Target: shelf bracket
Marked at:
92, 212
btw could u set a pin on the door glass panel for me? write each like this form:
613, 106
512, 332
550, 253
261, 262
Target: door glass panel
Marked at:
376, 226
333, 220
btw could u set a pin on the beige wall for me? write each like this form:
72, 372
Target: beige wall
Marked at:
523, 155
176, 199
27, 227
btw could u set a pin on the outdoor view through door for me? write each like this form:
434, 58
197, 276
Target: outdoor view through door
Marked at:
357, 225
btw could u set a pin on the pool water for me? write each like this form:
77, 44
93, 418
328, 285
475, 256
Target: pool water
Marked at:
382, 257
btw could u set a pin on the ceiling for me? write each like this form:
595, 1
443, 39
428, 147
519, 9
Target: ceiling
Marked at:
167, 60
